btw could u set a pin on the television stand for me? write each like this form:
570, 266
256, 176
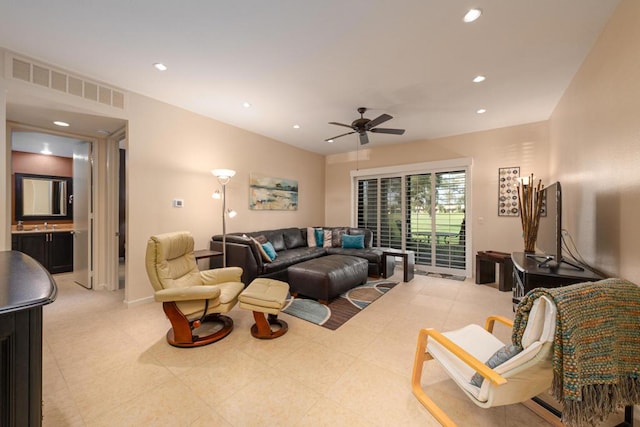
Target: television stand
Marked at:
546, 263
529, 274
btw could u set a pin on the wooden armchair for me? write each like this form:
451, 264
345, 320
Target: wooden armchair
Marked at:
463, 352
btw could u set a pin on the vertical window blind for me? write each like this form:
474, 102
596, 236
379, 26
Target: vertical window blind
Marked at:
423, 212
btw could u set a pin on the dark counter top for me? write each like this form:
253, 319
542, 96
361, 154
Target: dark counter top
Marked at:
24, 283
49, 229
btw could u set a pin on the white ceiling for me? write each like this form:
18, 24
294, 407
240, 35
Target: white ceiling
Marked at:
36, 142
314, 61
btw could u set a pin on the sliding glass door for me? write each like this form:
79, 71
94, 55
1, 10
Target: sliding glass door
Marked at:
418, 217
423, 212
449, 229
380, 210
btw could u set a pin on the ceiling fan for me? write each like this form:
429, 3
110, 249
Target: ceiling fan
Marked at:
362, 125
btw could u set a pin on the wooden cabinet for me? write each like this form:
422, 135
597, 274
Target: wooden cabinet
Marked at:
25, 287
61, 252
54, 250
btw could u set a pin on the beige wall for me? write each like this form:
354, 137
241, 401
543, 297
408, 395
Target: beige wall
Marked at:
591, 144
41, 164
525, 146
595, 148
170, 155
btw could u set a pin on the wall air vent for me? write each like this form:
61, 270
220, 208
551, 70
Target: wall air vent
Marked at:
28, 70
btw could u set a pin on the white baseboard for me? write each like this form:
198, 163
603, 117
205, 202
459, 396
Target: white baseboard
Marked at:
145, 300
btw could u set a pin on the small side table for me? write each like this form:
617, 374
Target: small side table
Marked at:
206, 253
486, 269
408, 261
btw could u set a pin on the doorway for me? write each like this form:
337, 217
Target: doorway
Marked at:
34, 114
41, 153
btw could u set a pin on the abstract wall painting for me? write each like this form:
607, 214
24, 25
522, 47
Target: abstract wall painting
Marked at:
270, 193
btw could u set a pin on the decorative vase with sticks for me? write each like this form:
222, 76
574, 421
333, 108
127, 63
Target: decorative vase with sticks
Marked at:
530, 204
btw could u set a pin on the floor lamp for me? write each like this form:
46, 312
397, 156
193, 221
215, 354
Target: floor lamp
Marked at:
224, 175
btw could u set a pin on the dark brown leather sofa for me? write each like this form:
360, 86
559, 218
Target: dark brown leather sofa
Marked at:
292, 248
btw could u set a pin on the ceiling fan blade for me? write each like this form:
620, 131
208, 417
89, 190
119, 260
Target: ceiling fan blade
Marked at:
341, 124
364, 139
378, 120
385, 130
336, 137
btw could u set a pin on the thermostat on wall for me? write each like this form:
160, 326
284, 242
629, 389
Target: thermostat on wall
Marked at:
178, 203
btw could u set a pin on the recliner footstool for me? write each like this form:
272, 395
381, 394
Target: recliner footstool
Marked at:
265, 296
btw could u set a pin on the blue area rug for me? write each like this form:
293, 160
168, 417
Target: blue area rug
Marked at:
341, 309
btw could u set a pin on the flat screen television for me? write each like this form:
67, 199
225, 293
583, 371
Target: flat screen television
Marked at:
549, 240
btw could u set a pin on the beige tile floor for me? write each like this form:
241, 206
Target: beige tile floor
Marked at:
109, 365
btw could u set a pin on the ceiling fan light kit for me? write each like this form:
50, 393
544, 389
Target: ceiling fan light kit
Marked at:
363, 125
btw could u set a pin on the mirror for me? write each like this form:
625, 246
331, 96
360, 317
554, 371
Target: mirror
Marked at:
43, 197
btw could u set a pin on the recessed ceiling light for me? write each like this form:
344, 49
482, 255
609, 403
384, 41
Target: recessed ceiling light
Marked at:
481, 111
478, 79
330, 140
160, 66
472, 15
59, 123
245, 104
296, 126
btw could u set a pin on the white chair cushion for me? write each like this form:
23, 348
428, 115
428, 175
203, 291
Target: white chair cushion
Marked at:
473, 339
541, 325
551, 312
482, 345
535, 325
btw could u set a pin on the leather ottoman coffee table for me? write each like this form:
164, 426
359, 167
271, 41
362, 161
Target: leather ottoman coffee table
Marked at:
327, 277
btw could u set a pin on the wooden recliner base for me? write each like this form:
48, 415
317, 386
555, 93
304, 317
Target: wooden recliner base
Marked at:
262, 328
181, 332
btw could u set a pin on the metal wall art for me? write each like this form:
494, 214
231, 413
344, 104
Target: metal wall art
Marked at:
508, 191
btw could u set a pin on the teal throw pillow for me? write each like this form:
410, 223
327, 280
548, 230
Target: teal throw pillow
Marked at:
268, 248
319, 237
353, 242
499, 357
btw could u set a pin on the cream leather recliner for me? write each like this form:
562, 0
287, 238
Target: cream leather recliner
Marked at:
189, 296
